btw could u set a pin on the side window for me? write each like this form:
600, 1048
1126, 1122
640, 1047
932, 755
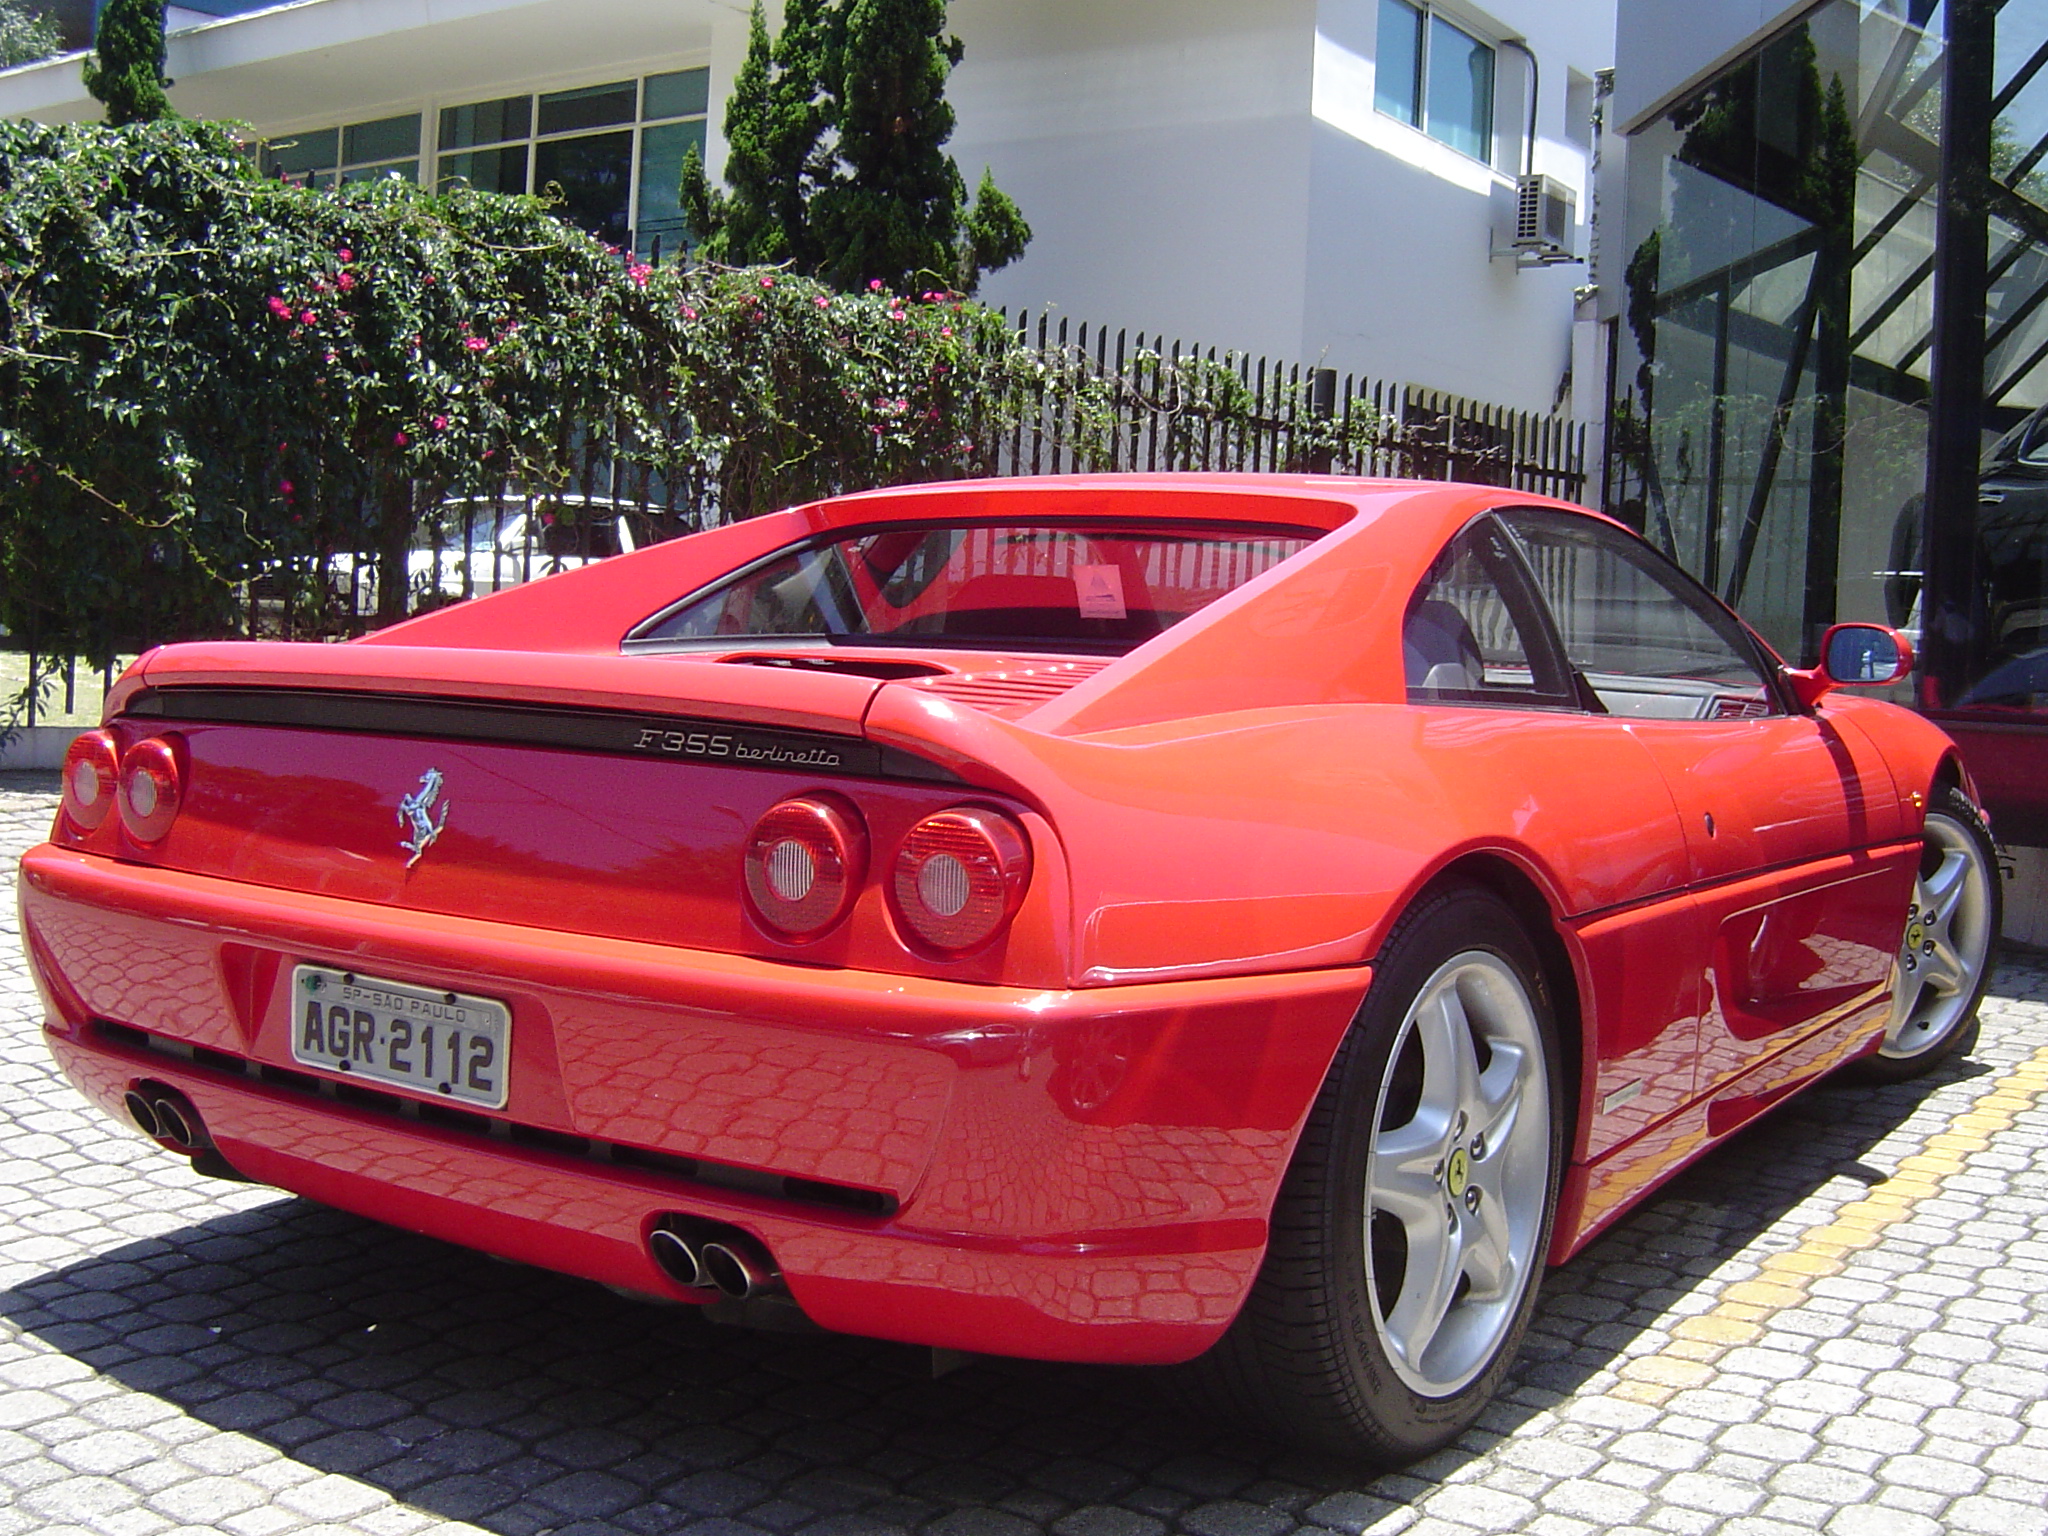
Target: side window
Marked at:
1648, 639
1471, 635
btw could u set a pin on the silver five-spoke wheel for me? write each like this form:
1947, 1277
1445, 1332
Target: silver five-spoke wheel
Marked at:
1944, 957
1457, 1173
1409, 1234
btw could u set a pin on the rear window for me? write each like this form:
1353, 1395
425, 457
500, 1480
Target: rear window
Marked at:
1067, 586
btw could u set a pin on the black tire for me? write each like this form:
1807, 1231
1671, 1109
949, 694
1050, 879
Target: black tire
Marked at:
1309, 1358
1945, 957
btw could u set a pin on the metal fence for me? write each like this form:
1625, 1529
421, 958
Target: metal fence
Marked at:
1153, 405
1166, 418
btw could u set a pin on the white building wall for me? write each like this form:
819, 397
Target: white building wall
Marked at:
1218, 173
1159, 149
1402, 278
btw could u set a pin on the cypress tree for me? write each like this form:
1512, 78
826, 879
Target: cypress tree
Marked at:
895, 212
836, 160
734, 227
125, 70
773, 123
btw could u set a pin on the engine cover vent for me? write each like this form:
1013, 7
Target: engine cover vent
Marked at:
1012, 691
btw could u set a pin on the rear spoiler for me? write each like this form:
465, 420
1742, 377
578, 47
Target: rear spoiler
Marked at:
647, 706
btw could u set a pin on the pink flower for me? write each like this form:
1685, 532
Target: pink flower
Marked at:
284, 487
307, 317
280, 308
330, 356
822, 302
440, 423
767, 282
345, 254
476, 343
638, 273
689, 313
945, 330
345, 281
399, 439
874, 285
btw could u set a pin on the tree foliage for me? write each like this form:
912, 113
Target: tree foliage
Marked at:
26, 34
125, 71
836, 132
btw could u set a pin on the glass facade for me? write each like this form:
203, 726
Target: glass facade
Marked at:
1828, 387
613, 153
387, 146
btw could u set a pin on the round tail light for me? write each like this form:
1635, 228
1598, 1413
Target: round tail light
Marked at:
149, 789
804, 864
960, 876
92, 773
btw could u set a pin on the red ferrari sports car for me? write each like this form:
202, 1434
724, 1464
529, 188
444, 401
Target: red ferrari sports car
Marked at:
1256, 922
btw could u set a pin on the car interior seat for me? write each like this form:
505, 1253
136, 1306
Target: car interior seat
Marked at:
1439, 652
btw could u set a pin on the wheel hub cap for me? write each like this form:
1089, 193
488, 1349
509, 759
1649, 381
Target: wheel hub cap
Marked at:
1457, 1170
1946, 944
1458, 1174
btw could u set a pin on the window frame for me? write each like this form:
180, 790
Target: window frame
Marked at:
1724, 621
1508, 567
1427, 14
425, 166
644, 638
340, 170
636, 127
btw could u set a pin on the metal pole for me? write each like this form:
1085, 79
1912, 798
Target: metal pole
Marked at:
1951, 603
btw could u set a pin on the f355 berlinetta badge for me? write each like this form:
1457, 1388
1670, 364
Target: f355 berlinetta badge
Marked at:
416, 815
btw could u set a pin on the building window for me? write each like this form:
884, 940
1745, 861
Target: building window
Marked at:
1435, 76
319, 157
614, 151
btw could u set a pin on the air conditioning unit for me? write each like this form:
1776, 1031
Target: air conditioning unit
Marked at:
1545, 211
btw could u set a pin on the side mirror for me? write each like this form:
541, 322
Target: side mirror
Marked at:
1864, 655
1855, 656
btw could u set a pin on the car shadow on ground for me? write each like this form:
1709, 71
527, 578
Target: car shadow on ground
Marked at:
525, 1402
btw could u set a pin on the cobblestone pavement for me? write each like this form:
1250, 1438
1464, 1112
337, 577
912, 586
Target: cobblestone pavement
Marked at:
1838, 1324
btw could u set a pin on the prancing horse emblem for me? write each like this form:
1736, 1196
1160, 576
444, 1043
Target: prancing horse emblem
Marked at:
416, 814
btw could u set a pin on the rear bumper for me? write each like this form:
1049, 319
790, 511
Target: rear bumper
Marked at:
1073, 1175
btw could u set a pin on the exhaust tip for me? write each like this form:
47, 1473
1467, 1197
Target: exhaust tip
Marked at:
142, 1114
737, 1274
178, 1124
677, 1258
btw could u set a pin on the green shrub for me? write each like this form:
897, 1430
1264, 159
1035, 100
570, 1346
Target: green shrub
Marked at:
203, 372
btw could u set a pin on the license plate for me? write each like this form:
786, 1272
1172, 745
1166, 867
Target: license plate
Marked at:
446, 1045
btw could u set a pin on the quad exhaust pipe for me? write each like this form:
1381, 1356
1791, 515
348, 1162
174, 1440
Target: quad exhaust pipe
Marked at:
165, 1114
711, 1256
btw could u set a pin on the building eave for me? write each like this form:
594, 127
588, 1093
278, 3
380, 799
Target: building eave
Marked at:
314, 60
